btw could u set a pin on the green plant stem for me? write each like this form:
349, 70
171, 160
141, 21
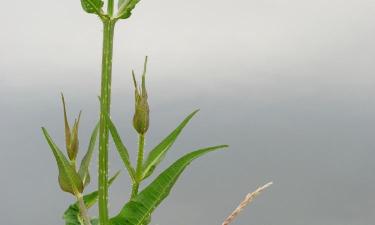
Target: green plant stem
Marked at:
105, 101
138, 172
110, 7
135, 188
141, 145
83, 210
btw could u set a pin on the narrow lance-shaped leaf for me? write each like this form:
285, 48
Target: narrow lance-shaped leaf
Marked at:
122, 150
138, 210
125, 8
92, 6
84, 167
72, 216
157, 154
69, 179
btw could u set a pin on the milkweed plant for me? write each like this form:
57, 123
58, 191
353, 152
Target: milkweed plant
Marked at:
73, 177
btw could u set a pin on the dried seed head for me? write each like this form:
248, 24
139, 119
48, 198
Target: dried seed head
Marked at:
142, 111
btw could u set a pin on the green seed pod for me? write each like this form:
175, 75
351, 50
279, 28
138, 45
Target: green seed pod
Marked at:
71, 136
69, 179
74, 144
142, 111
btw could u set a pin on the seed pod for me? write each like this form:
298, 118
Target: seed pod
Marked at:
71, 136
142, 111
74, 144
69, 179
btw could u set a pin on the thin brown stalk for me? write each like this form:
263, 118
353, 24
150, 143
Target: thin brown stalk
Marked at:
248, 199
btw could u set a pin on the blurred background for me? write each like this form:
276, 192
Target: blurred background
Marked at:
289, 85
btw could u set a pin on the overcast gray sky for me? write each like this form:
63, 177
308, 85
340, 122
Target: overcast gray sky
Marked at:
289, 85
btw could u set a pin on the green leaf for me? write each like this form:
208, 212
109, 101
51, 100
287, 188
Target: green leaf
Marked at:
122, 150
71, 215
157, 154
138, 210
69, 179
125, 8
84, 167
92, 6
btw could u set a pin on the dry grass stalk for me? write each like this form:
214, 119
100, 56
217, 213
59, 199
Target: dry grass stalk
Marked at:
248, 199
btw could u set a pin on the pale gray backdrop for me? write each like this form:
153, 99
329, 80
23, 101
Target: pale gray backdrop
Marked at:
289, 85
